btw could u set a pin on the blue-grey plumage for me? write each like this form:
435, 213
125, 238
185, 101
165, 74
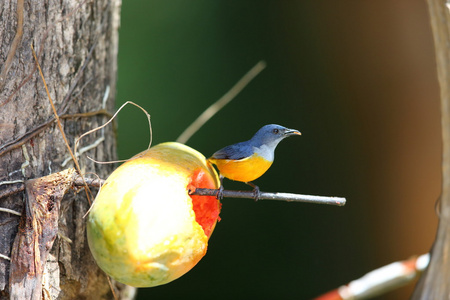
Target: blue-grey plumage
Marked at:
266, 139
247, 161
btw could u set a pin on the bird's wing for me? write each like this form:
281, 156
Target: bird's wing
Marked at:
235, 152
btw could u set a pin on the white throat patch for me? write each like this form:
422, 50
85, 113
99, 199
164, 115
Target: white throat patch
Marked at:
265, 151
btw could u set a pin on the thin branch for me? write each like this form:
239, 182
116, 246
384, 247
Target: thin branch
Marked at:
113, 290
92, 182
5, 257
12, 188
14, 45
288, 197
88, 114
339, 201
84, 149
55, 113
58, 122
11, 182
380, 281
17, 186
219, 104
10, 211
25, 137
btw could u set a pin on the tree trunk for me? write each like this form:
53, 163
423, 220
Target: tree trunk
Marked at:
435, 282
76, 43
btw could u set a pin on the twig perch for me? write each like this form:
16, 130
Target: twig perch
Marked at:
273, 196
219, 104
288, 197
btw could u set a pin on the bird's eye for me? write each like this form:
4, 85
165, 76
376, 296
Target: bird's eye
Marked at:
275, 131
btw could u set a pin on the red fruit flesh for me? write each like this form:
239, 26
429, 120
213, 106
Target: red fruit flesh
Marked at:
206, 208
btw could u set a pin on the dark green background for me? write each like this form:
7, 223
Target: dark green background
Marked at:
357, 78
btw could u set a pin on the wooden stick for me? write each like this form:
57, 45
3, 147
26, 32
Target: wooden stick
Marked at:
288, 197
219, 104
339, 201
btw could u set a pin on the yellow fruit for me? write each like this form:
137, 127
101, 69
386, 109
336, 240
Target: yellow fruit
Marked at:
144, 228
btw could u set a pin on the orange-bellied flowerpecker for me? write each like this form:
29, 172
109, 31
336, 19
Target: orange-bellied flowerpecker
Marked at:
247, 161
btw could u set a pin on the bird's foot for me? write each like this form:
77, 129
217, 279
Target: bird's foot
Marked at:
256, 191
219, 195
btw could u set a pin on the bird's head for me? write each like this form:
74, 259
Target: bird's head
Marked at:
272, 134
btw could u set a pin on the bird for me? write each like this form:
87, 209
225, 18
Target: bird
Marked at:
249, 160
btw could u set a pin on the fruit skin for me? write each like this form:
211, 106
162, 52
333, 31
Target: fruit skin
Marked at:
142, 229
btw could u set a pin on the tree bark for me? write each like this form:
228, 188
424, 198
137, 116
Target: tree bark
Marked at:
76, 43
435, 282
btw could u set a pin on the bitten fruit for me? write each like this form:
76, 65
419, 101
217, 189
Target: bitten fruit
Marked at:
144, 228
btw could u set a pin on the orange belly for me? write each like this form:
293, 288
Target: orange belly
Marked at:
245, 170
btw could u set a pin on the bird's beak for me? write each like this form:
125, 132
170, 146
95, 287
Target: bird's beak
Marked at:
289, 132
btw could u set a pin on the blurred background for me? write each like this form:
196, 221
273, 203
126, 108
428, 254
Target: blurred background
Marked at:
357, 78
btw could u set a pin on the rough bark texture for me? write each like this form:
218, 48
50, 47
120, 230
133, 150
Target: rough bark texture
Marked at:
435, 282
37, 232
63, 32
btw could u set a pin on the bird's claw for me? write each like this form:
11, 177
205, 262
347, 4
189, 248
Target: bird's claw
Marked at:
219, 195
256, 193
